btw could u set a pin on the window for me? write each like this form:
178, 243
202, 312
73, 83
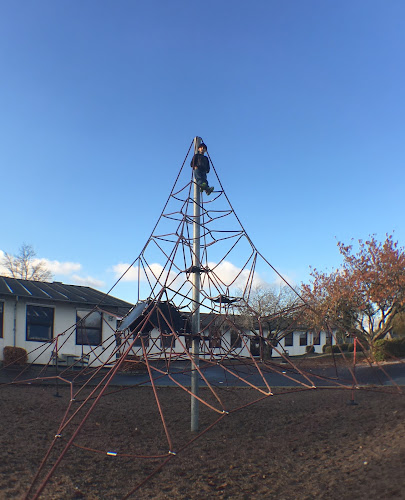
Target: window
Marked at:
203, 344
39, 323
317, 338
255, 346
215, 342
1, 319
236, 340
166, 339
214, 337
88, 328
303, 338
289, 339
188, 341
138, 340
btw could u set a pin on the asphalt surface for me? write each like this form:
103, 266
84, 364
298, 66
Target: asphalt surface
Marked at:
386, 374
241, 376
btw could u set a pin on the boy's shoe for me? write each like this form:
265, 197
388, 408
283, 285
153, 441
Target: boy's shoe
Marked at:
203, 186
209, 190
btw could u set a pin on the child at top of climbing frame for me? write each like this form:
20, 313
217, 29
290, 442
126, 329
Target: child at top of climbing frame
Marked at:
201, 167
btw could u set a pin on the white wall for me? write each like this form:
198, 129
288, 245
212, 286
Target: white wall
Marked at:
65, 319
64, 329
296, 349
206, 352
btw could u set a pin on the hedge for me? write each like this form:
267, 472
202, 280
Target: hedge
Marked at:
345, 347
386, 349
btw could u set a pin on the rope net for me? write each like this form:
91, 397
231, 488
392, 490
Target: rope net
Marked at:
239, 346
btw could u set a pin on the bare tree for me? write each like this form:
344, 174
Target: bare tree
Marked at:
276, 309
25, 266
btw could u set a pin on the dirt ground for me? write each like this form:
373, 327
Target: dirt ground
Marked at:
293, 445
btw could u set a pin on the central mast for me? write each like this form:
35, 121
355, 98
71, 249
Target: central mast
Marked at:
195, 319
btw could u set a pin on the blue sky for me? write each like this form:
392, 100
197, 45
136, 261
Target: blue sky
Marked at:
301, 104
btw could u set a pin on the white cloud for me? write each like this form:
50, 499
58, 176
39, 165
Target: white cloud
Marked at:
225, 271
154, 273
234, 276
70, 269
57, 268
87, 281
286, 278
131, 273
61, 268
3, 270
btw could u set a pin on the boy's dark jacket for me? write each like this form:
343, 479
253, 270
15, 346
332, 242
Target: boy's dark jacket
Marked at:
201, 162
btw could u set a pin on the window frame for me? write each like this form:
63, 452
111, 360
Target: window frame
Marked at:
235, 339
81, 324
316, 338
167, 340
188, 340
255, 346
287, 338
215, 337
215, 342
303, 339
46, 324
138, 341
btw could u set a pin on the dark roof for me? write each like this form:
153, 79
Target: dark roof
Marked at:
59, 292
152, 314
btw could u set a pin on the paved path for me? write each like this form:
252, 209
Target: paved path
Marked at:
321, 377
240, 376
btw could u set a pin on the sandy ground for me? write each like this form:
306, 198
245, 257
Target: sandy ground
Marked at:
296, 445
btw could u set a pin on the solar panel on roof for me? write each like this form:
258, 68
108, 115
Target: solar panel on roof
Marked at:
4, 288
60, 292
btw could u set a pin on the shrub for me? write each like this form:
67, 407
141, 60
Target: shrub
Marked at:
386, 349
344, 347
331, 348
397, 347
325, 348
310, 349
14, 356
358, 347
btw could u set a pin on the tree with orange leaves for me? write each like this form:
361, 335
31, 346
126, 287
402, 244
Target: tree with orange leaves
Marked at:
365, 295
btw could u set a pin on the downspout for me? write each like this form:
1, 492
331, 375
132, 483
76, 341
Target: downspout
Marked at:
15, 322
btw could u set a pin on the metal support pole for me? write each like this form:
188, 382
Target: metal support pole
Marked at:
195, 319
